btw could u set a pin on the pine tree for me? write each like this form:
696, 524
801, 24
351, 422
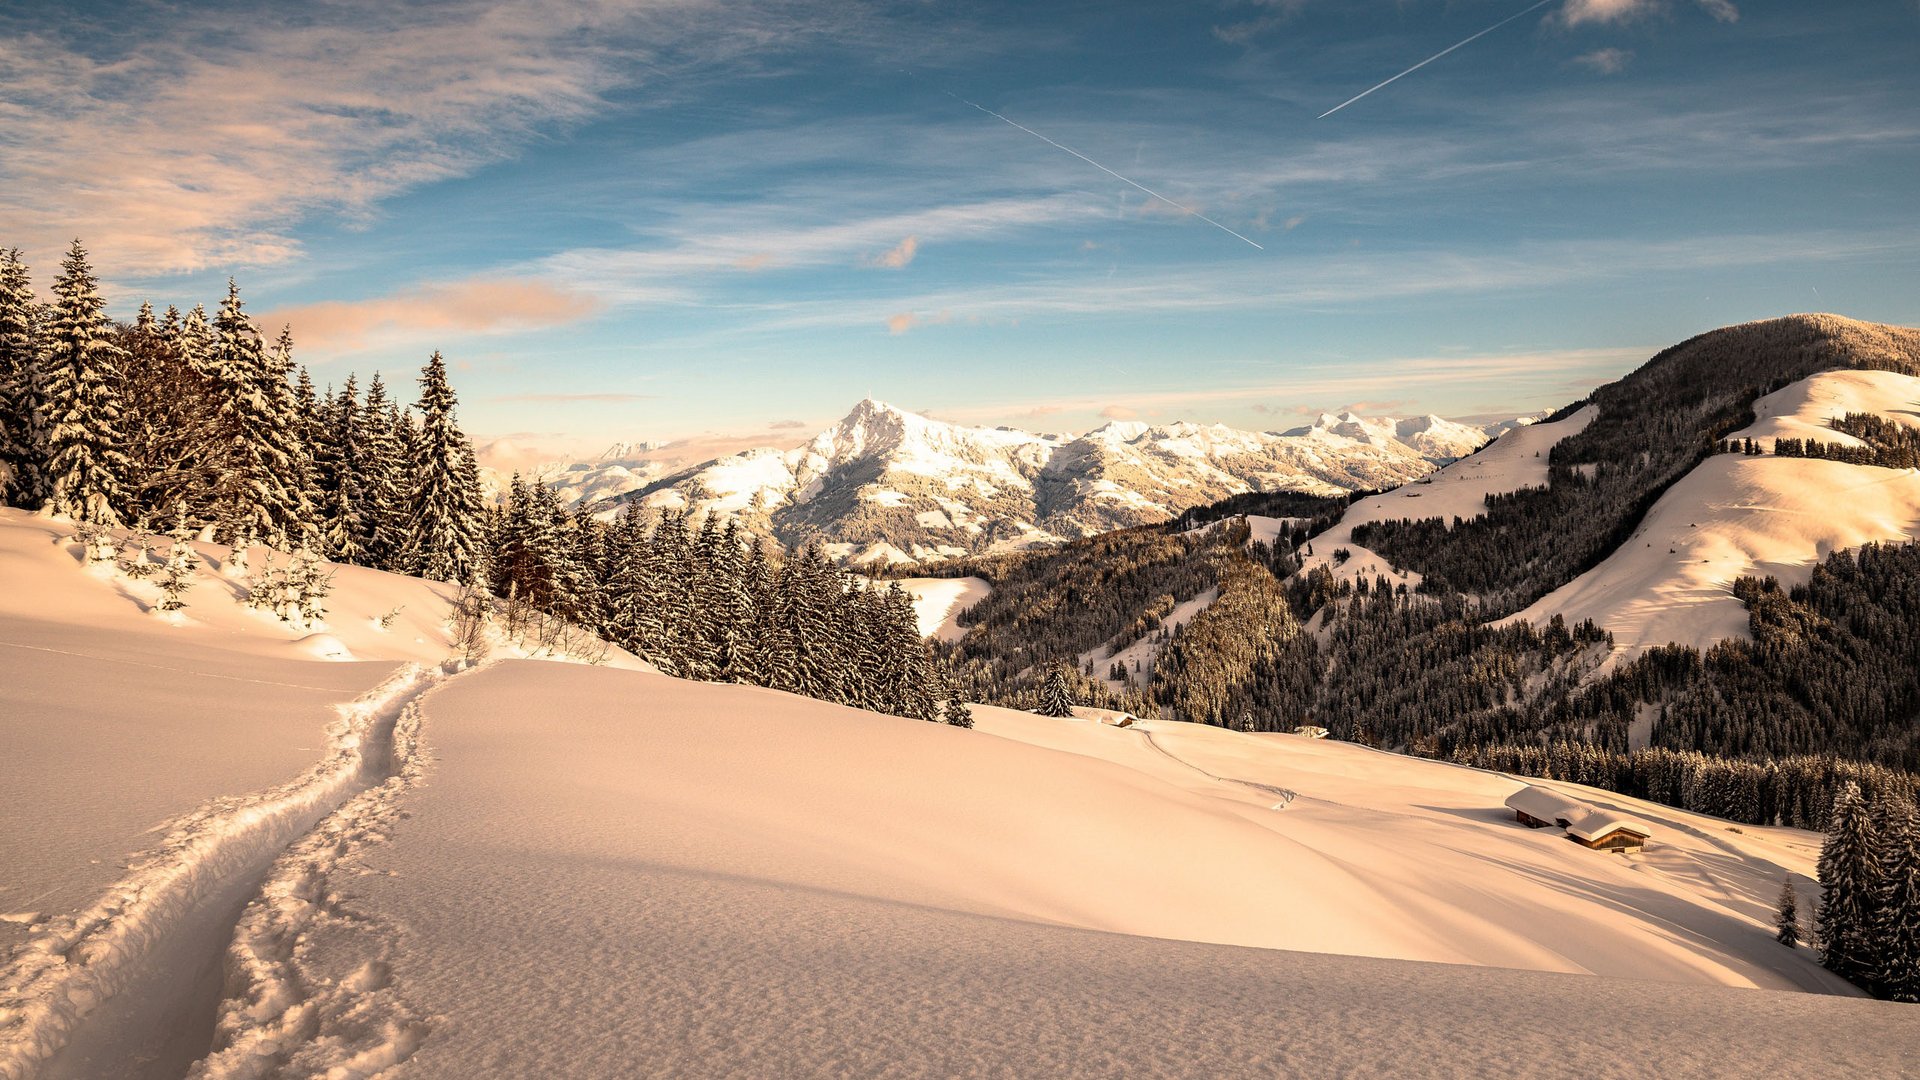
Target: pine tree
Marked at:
177, 576
1897, 937
1055, 700
23, 404
258, 497
86, 461
1787, 916
443, 538
338, 462
384, 484
1850, 882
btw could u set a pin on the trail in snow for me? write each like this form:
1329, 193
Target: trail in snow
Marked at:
1285, 795
97, 992
310, 990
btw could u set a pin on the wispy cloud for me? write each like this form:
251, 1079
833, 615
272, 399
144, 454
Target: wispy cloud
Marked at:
1605, 61
1369, 385
898, 256
579, 399
177, 142
475, 306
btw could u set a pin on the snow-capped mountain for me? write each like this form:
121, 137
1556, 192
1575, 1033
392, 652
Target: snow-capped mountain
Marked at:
891, 485
622, 467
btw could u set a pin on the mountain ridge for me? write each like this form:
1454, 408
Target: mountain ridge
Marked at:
885, 484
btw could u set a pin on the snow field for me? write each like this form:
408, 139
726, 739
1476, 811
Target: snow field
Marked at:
1735, 516
724, 880
938, 602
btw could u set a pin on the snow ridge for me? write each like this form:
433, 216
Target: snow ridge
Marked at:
309, 991
75, 963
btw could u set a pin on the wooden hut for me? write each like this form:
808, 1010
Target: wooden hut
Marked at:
1604, 830
1538, 807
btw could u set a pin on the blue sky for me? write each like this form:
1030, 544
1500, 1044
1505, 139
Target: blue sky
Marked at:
731, 220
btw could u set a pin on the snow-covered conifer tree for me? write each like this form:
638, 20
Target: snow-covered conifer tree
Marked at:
442, 539
1850, 882
23, 402
177, 576
1897, 939
1787, 916
1055, 699
86, 463
258, 495
384, 482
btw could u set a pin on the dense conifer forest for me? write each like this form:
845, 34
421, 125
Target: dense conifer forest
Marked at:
192, 425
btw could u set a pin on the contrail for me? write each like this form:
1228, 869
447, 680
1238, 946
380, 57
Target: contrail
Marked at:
1103, 168
1431, 59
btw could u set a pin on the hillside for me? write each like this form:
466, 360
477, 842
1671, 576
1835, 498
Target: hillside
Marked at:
1628, 542
729, 838
887, 486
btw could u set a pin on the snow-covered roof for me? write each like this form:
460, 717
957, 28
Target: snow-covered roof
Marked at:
1584, 820
1595, 823
1547, 804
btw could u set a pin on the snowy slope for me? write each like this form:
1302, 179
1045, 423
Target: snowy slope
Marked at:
154, 767
720, 880
1515, 460
937, 603
890, 485
596, 870
1735, 516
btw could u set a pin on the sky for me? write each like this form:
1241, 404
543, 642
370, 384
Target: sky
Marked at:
724, 223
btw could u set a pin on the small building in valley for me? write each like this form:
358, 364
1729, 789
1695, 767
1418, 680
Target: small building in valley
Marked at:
1539, 807
1604, 830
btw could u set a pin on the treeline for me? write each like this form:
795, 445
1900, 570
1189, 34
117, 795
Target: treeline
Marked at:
186, 424
179, 421
1798, 790
1651, 428
707, 602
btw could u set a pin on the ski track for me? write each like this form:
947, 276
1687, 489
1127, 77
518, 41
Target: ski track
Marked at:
1285, 795
61, 973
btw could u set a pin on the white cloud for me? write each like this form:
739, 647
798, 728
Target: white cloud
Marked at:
1578, 12
1606, 61
1722, 10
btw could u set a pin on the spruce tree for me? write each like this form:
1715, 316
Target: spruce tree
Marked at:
1787, 916
1897, 938
1055, 699
382, 497
86, 463
258, 490
1850, 883
443, 536
23, 399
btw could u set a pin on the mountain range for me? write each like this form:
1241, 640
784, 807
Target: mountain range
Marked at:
888, 485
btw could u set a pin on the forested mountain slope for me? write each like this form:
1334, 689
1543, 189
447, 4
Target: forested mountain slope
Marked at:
1391, 631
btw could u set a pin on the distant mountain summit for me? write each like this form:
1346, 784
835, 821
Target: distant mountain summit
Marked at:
885, 484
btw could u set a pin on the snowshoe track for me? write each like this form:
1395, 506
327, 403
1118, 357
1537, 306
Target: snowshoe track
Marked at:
60, 974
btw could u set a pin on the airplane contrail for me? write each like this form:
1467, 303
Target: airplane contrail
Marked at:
1431, 59
1103, 168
